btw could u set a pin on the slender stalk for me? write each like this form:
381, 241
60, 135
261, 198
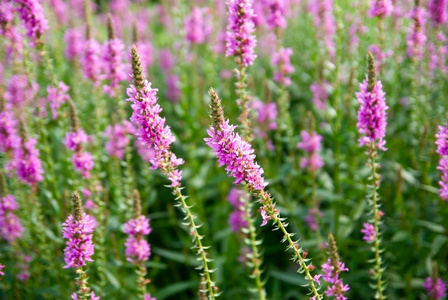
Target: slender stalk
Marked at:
243, 103
376, 221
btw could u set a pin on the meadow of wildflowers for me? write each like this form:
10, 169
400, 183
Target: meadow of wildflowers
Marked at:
239, 149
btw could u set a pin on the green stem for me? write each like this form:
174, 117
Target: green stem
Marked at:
255, 255
243, 103
81, 281
141, 281
376, 220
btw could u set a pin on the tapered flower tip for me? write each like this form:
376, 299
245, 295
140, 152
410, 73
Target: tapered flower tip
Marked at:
371, 72
110, 27
3, 186
137, 71
334, 256
217, 113
77, 206
137, 204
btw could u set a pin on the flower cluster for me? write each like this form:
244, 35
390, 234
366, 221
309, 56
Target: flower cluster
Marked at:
336, 288
113, 65
325, 23
31, 13
282, 61
438, 11
369, 232
10, 226
416, 37
435, 288
9, 140
311, 144
78, 230
118, 138
152, 131
236, 154
57, 96
90, 61
276, 13
74, 41
237, 218
82, 160
137, 248
1, 268
372, 114
312, 218
28, 163
320, 95
198, 25
92, 297
442, 150
240, 41
380, 8
19, 93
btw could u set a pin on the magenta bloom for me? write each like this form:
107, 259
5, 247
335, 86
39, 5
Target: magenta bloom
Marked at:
236, 154
83, 162
442, 150
311, 144
167, 60
29, 166
74, 42
19, 93
442, 140
10, 226
198, 25
173, 91
9, 140
113, 64
1, 268
276, 14
237, 219
380, 8
336, 288
137, 248
148, 297
281, 60
437, 11
73, 140
416, 37
325, 23
31, 13
90, 61
152, 131
118, 138
240, 41
92, 296
369, 232
436, 289
311, 218
57, 96
320, 96
79, 247
372, 115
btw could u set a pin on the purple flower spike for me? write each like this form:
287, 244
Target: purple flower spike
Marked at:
118, 137
9, 140
369, 232
283, 63
436, 289
372, 112
380, 8
83, 162
31, 13
198, 25
113, 63
1, 268
80, 247
276, 14
437, 11
57, 96
311, 144
137, 248
90, 61
416, 37
29, 166
10, 226
442, 150
240, 41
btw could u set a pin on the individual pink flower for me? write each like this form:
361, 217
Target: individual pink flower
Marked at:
57, 96
281, 60
198, 25
1, 268
369, 232
83, 162
312, 218
240, 39
380, 8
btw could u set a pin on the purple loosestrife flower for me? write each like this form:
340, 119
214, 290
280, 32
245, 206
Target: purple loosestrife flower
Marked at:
19, 93
31, 13
74, 41
28, 163
198, 25
372, 112
325, 23
320, 96
435, 288
9, 140
74, 140
369, 232
442, 150
60, 10
57, 96
1, 268
78, 229
311, 144
281, 60
148, 297
152, 131
113, 64
10, 226
380, 8
92, 297
137, 248
416, 37
118, 137
240, 41
311, 218
237, 217
83, 162
236, 154
90, 61
276, 13
438, 11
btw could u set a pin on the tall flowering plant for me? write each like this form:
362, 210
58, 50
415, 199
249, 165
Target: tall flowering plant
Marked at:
372, 128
